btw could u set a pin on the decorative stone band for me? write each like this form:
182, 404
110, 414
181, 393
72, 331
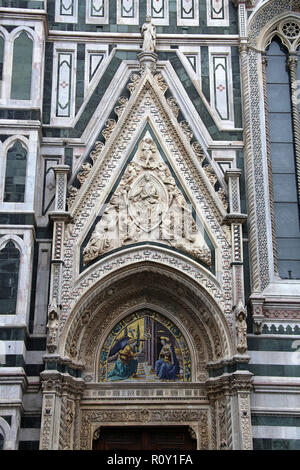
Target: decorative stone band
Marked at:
287, 314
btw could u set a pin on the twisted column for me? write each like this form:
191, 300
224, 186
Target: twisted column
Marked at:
269, 162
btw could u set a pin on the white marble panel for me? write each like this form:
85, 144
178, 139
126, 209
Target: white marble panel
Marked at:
66, 11
217, 13
187, 13
127, 12
275, 357
159, 11
97, 11
275, 432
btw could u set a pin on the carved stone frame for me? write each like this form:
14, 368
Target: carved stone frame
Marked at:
198, 419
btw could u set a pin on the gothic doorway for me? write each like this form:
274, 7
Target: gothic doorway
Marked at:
162, 438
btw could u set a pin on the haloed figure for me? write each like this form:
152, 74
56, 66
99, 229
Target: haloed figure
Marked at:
167, 366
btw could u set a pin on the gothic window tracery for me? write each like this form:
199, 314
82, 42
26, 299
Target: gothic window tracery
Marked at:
284, 137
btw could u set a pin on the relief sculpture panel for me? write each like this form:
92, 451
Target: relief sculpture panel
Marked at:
148, 205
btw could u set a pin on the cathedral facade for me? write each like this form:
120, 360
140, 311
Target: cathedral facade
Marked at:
149, 224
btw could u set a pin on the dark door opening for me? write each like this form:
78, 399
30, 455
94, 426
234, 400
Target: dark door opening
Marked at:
145, 438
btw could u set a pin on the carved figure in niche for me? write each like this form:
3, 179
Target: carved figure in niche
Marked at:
52, 326
149, 35
167, 366
145, 347
148, 154
241, 328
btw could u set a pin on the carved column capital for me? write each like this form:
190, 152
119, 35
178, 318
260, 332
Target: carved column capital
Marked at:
292, 61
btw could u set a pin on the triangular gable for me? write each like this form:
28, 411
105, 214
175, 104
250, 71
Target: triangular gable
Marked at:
147, 104
148, 204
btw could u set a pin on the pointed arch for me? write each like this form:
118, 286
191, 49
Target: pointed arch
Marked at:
9, 276
5, 432
15, 171
23, 49
147, 284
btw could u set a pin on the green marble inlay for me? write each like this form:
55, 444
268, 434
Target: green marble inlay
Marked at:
172, 28
265, 420
199, 105
276, 444
91, 105
264, 343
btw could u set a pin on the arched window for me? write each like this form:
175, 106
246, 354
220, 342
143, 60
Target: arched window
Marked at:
22, 67
15, 175
282, 150
9, 277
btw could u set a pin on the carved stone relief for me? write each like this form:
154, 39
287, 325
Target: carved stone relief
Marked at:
91, 419
147, 206
164, 194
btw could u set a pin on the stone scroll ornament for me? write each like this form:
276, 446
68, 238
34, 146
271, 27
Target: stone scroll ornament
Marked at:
146, 206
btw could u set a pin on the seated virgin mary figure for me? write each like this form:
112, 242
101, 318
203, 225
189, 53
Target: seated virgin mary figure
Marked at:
125, 366
167, 366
